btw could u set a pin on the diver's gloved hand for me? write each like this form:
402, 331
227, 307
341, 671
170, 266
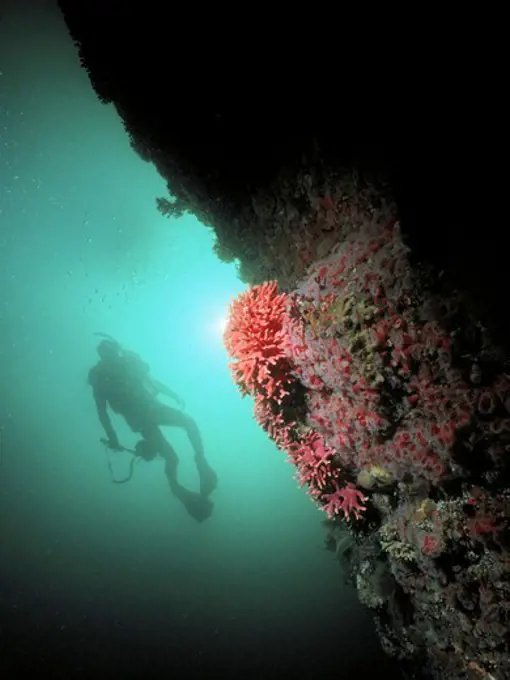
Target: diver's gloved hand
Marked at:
112, 444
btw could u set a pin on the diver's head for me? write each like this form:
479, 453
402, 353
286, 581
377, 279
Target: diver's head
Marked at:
108, 350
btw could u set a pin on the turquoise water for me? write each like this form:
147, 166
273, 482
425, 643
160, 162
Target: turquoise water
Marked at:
83, 249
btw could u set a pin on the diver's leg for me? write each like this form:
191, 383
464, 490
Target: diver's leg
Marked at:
158, 442
198, 507
170, 416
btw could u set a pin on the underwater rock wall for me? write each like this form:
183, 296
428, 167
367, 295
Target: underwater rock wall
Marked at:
392, 402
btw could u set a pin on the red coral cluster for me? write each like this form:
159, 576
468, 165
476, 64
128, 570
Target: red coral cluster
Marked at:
255, 339
382, 389
377, 373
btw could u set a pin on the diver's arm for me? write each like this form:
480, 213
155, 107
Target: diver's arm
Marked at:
161, 388
105, 421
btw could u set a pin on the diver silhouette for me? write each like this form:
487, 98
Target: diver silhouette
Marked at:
121, 380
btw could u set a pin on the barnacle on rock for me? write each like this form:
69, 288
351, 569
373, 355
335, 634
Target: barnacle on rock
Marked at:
374, 476
425, 510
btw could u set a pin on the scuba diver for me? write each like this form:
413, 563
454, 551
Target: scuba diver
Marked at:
122, 381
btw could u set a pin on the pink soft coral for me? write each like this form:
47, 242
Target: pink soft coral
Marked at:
347, 499
254, 340
312, 459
